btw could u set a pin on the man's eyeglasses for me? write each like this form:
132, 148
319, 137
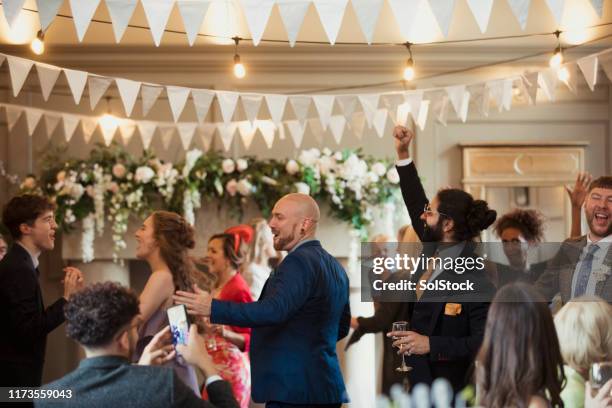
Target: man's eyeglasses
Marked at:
428, 211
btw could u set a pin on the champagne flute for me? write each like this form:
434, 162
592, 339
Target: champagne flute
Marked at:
401, 326
599, 374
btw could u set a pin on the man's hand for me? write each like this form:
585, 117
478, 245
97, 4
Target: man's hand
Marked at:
410, 342
578, 194
198, 302
403, 136
73, 281
159, 350
603, 399
195, 352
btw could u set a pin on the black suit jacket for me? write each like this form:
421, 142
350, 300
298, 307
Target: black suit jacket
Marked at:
25, 321
454, 337
111, 381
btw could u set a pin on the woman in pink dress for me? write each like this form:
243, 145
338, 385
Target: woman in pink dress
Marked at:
228, 345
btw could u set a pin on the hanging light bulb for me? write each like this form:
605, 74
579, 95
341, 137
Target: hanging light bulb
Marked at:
409, 68
239, 70
38, 44
108, 121
563, 74
557, 58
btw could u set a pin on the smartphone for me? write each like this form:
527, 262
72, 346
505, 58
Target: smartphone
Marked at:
179, 324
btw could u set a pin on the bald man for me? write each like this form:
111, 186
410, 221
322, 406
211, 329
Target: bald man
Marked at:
301, 314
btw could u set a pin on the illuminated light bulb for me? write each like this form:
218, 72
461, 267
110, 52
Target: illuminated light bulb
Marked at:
239, 70
557, 59
409, 70
563, 74
109, 122
38, 43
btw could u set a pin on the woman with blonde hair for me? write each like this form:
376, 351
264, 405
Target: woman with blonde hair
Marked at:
584, 328
256, 268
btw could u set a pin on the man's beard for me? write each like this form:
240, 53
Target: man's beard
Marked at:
432, 234
281, 243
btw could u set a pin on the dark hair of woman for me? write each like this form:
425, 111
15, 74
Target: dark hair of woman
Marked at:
529, 222
520, 356
234, 256
470, 217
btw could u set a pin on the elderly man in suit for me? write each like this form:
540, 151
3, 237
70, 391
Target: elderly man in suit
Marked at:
583, 265
446, 327
104, 318
30, 220
301, 314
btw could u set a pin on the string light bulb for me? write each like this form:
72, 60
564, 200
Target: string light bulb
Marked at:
563, 74
409, 68
557, 58
38, 43
239, 69
108, 121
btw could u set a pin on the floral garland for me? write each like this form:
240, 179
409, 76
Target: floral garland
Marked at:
111, 185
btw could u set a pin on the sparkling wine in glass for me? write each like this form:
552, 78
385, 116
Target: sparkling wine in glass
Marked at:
599, 375
401, 326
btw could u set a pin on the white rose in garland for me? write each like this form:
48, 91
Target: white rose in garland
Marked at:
292, 167
241, 165
379, 169
244, 187
228, 166
144, 174
393, 176
302, 188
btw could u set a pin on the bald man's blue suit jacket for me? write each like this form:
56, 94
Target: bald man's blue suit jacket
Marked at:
301, 314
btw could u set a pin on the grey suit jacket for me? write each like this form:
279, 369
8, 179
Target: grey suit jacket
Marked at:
111, 381
559, 273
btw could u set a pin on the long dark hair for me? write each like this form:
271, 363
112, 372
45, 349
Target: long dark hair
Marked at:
470, 217
231, 251
175, 237
520, 356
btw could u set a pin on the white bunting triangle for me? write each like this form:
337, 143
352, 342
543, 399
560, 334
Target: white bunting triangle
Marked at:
51, 122
529, 82
227, 131
442, 110
70, 124
405, 11
401, 115
589, 68
186, 131
157, 13
149, 95
484, 98
548, 80
481, 10
82, 13
19, 68
423, 112
251, 105
414, 99
496, 92
177, 97
598, 7
206, 133
357, 125
276, 106
202, 99
32, 119
98, 85
76, 83
367, 12
369, 103
127, 132
347, 103
128, 90
13, 114
301, 106
380, 121
247, 132
296, 131
325, 106
257, 13
337, 124
89, 126
166, 135
443, 12
47, 10
556, 8
455, 95
331, 13
465, 105
267, 129
47, 76
193, 13
146, 130
12, 9
572, 80
108, 131
120, 12
292, 13
520, 9
227, 103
